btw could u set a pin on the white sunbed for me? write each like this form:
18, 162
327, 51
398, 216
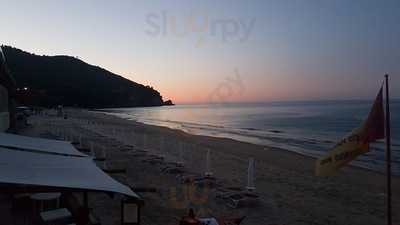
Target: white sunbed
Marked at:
56, 216
236, 197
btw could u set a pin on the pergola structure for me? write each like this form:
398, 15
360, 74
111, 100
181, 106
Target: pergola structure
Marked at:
29, 165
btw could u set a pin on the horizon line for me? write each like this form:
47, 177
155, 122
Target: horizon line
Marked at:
282, 101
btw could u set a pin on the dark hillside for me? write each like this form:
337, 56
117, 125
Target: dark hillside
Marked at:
68, 81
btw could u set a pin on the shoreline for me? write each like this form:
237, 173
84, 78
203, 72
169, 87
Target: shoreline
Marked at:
266, 147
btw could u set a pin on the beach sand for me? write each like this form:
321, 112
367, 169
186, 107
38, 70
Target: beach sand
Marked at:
285, 181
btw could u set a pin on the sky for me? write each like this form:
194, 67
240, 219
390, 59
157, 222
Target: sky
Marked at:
202, 51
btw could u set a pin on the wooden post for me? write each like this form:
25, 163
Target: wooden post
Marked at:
130, 211
85, 200
388, 156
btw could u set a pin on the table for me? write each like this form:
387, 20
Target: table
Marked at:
42, 198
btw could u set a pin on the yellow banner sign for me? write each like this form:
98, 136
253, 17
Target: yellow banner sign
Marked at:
356, 143
344, 152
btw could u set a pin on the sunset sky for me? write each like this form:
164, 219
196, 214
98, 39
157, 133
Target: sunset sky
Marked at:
194, 51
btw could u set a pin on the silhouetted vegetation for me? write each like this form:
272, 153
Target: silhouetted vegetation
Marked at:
68, 81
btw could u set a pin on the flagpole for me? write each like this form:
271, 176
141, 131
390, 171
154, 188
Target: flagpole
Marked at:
388, 156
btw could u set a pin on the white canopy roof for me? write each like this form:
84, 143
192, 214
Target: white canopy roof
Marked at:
38, 144
32, 168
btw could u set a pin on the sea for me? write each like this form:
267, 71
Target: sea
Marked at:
307, 127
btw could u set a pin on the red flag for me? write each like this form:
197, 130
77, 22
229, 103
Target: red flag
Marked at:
375, 124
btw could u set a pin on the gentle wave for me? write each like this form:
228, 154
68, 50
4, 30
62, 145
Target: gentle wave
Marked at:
313, 134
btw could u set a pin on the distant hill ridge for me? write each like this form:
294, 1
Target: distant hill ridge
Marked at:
68, 81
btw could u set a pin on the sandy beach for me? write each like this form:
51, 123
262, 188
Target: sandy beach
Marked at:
285, 181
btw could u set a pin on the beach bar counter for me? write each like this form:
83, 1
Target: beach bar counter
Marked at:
29, 166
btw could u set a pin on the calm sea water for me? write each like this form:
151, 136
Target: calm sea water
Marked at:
309, 128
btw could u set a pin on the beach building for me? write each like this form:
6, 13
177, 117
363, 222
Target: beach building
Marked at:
4, 114
7, 94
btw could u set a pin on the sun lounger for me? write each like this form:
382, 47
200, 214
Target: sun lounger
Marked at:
138, 153
170, 167
198, 180
154, 159
172, 170
223, 193
57, 216
244, 199
175, 164
162, 157
210, 182
238, 198
126, 148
